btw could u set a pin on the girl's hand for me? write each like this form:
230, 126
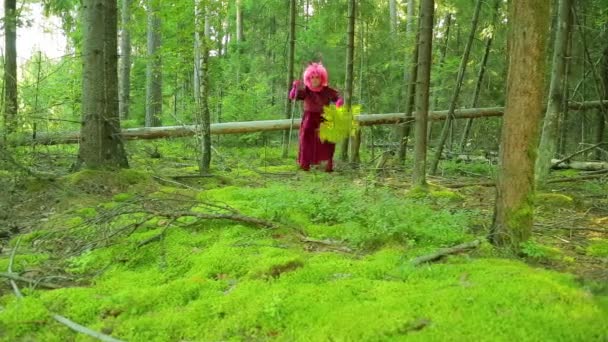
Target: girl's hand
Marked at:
297, 84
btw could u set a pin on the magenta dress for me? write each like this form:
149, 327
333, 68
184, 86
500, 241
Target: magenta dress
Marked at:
312, 149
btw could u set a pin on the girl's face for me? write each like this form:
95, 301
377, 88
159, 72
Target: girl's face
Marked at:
315, 81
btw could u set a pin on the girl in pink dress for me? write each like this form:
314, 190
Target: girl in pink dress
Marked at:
316, 94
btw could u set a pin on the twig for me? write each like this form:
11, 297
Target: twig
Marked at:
70, 324
15, 277
174, 183
588, 175
326, 242
156, 237
10, 269
574, 179
464, 185
446, 251
599, 230
233, 217
576, 153
84, 330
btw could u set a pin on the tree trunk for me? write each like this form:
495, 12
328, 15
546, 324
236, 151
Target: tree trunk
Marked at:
350, 60
425, 45
154, 95
392, 4
443, 54
204, 117
125, 61
461, 71
409, 79
348, 84
100, 142
601, 118
290, 62
513, 214
10, 66
550, 132
239, 22
482, 70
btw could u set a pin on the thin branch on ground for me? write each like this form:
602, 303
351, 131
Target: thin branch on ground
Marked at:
63, 320
15, 277
156, 237
10, 269
577, 153
463, 247
591, 229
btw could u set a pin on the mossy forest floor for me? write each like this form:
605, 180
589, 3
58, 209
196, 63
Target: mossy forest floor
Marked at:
155, 254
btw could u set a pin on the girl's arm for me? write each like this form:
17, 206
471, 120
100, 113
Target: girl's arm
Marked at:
296, 92
336, 98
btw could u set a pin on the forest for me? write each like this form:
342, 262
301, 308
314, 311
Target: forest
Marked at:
304, 170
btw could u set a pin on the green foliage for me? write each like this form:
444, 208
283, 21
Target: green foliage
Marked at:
365, 218
339, 123
553, 200
598, 248
540, 252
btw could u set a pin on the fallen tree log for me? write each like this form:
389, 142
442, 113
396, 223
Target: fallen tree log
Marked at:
73, 137
242, 127
579, 165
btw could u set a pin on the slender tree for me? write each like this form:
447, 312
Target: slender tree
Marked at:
348, 91
550, 132
461, 72
513, 214
203, 115
409, 79
10, 66
154, 77
423, 77
290, 62
393, 15
602, 118
125, 61
480, 74
100, 143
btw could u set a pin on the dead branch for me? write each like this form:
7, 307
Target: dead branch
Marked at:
205, 216
555, 164
10, 269
327, 242
598, 230
70, 324
16, 277
590, 175
446, 251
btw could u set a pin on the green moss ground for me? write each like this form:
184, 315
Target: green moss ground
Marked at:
223, 281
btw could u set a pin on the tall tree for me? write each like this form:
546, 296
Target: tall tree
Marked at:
423, 78
480, 74
513, 214
290, 61
393, 15
461, 71
602, 118
154, 77
409, 79
125, 61
239, 22
348, 84
10, 66
202, 98
550, 131
100, 143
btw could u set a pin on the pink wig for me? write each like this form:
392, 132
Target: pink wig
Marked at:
315, 69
